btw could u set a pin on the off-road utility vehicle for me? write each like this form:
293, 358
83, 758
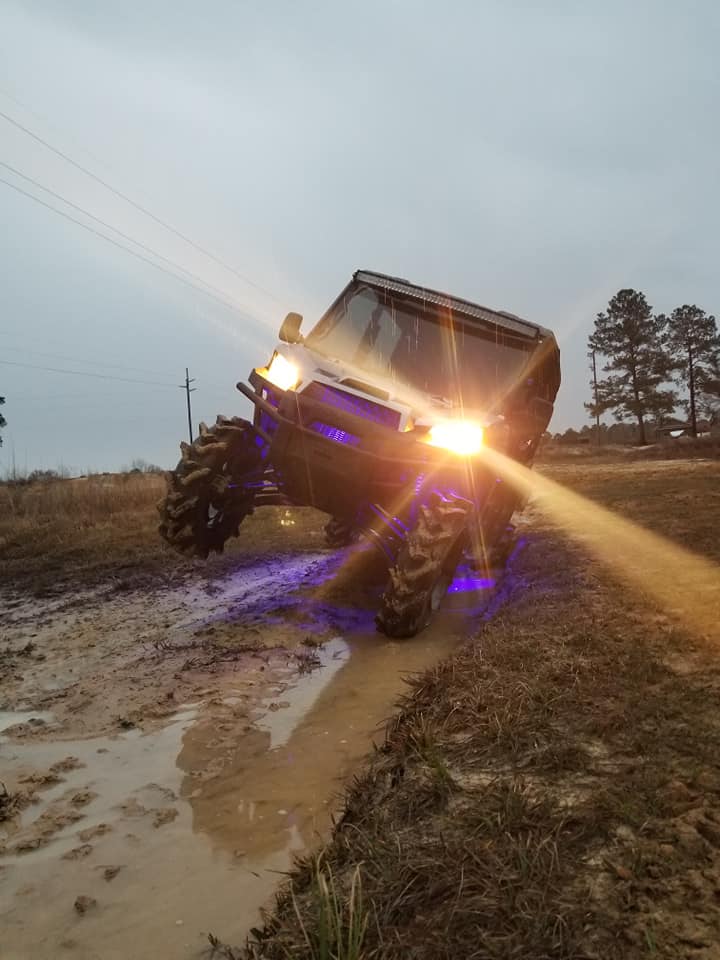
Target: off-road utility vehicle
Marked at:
379, 417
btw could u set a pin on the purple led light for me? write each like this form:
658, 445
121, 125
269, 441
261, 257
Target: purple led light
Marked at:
349, 403
334, 433
468, 584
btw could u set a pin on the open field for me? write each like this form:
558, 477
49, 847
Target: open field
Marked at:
550, 786
681, 448
98, 529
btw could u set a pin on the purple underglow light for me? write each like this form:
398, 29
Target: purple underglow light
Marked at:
465, 584
334, 433
350, 403
520, 544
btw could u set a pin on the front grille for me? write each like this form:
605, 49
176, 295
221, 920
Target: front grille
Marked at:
334, 433
350, 403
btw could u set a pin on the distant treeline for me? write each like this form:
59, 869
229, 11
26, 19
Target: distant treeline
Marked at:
16, 476
627, 434
646, 367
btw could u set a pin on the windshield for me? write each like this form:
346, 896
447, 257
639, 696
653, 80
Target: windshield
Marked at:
417, 346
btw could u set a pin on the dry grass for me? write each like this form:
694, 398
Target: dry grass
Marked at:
68, 509
682, 448
680, 500
338, 924
554, 789
69, 533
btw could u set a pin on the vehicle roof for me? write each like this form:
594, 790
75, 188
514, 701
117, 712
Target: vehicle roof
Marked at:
496, 317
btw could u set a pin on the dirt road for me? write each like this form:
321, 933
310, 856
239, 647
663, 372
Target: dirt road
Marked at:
169, 750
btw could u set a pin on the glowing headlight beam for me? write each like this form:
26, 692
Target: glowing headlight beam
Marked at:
685, 585
462, 437
281, 373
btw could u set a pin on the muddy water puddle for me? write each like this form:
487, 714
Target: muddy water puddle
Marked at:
11, 718
140, 843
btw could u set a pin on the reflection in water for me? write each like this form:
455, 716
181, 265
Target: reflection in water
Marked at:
276, 787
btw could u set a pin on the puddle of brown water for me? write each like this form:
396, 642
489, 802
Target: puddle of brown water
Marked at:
172, 886
278, 785
10, 718
245, 798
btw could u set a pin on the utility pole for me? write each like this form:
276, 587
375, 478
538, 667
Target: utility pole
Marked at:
188, 390
691, 384
595, 389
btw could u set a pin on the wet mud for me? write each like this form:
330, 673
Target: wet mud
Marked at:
170, 751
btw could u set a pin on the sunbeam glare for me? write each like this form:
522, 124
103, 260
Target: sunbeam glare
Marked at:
684, 584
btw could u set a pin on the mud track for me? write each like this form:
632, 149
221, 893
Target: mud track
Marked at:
166, 751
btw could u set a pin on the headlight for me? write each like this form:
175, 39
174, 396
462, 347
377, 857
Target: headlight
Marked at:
281, 373
459, 436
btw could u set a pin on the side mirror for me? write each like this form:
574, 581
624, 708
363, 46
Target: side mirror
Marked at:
290, 329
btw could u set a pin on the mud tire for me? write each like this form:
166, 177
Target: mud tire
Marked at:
339, 533
205, 503
424, 566
499, 552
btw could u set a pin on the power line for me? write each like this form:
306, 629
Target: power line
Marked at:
137, 206
13, 334
85, 373
121, 246
45, 119
99, 363
109, 226
79, 398
116, 366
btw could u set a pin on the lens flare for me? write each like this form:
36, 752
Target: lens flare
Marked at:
462, 437
685, 585
281, 373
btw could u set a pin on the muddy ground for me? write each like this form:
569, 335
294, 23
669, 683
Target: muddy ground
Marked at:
171, 737
552, 790
168, 744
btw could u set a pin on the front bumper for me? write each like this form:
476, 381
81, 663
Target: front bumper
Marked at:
337, 461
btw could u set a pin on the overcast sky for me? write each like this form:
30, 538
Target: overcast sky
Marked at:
533, 156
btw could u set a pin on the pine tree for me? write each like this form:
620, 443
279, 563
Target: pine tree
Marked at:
708, 389
631, 339
693, 343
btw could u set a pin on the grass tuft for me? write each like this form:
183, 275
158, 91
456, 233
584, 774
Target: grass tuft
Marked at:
338, 924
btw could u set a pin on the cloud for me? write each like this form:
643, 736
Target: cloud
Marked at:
534, 157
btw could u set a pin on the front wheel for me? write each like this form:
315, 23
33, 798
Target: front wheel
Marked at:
339, 533
424, 566
206, 500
